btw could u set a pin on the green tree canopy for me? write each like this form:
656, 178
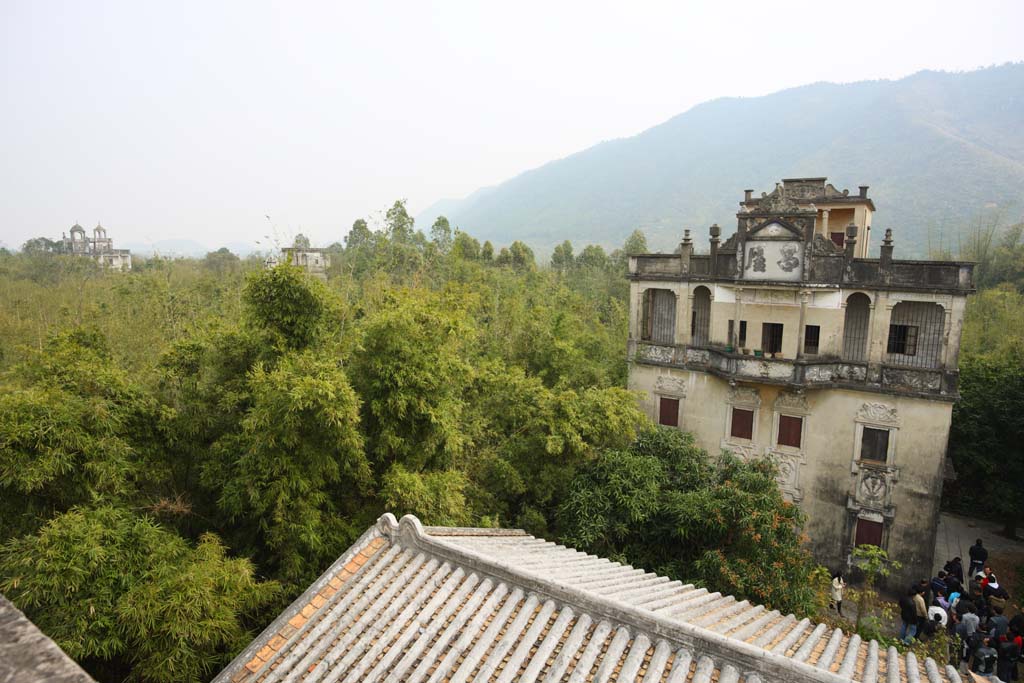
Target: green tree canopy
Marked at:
664, 505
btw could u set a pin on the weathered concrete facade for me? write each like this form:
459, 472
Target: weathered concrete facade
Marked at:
781, 343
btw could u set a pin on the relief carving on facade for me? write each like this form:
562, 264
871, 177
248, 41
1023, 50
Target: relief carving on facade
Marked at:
916, 380
878, 413
654, 352
835, 372
791, 403
874, 488
671, 386
697, 356
744, 451
744, 396
788, 475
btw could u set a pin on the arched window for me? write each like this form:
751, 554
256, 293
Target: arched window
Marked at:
855, 327
915, 334
659, 317
700, 320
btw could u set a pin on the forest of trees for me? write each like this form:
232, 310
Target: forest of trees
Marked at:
185, 447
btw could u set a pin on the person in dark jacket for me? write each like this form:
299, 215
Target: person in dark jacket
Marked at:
1009, 653
955, 567
908, 616
979, 554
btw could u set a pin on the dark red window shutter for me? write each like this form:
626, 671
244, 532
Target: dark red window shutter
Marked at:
790, 430
868, 533
742, 423
668, 412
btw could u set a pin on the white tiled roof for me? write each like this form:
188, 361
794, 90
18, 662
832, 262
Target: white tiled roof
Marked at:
414, 603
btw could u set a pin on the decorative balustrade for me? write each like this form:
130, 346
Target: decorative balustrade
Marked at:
802, 372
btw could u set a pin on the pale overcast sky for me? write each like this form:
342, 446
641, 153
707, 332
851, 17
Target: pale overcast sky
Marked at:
196, 119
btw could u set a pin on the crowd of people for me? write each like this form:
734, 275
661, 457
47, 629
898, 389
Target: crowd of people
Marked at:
972, 607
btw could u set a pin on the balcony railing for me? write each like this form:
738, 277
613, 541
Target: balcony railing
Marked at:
818, 373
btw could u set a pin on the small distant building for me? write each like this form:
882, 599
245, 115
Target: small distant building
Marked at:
314, 260
99, 247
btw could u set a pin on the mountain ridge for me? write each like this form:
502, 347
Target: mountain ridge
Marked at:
939, 149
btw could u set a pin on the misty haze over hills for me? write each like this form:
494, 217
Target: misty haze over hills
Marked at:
939, 150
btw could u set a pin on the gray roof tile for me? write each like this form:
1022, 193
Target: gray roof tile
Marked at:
414, 603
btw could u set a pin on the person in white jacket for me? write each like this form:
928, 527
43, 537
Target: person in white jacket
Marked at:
838, 586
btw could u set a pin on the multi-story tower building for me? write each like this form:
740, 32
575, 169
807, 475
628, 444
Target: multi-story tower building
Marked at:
787, 342
99, 247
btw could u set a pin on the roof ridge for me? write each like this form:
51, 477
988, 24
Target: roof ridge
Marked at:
639, 619
410, 532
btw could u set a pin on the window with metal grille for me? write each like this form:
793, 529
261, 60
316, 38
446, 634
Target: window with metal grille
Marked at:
700, 321
869, 533
659, 316
771, 337
916, 332
874, 444
812, 334
790, 431
902, 340
839, 238
668, 412
742, 423
855, 327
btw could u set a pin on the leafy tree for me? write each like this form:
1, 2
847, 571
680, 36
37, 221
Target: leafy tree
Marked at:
301, 241
874, 564
111, 587
410, 376
441, 234
521, 256
435, 497
562, 258
465, 246
398, 224
592, 256
635, 244
287, 304
42, 245
71, 430
277, 474
360, 235
662, 504
222, 262
986, 435
487, 251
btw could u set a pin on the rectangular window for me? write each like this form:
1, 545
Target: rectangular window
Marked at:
812, 334
868, 533
668, 412
742, 423
771, 337
874, 444
790, 431
839, 238
902, 340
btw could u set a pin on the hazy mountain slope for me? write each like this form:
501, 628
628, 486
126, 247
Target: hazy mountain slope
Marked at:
936, 148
